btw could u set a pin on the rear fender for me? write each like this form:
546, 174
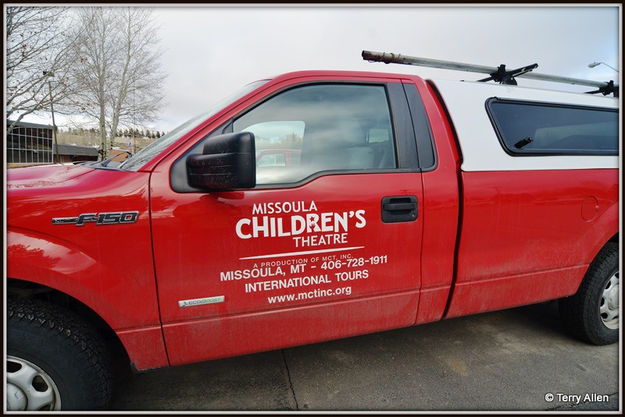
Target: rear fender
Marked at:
606, 226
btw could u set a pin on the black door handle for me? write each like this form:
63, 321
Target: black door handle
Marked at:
400, 209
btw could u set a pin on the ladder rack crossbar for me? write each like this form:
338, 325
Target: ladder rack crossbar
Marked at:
460, 66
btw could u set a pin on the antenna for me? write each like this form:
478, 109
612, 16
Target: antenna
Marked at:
498, 74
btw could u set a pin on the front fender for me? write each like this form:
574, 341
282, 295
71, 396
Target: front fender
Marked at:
47, 260
106, 266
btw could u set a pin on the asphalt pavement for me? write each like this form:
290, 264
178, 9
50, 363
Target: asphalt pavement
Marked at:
512, 360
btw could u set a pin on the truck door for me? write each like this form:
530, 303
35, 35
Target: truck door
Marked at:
326, 245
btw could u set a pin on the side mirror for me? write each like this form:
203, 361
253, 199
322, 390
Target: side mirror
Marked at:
227, 162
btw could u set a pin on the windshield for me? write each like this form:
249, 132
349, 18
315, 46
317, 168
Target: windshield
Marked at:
153, 149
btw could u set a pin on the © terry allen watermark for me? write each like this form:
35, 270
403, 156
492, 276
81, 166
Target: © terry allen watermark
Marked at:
589, 397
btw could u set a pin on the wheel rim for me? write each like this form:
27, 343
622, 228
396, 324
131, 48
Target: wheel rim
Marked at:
609, 302
30, 388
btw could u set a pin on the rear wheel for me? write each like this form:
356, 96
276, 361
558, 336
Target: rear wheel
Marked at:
592, 314
55, 361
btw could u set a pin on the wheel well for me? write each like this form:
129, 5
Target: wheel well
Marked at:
614, 238
25, 289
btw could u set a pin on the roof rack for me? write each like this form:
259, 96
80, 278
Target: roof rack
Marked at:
498, 74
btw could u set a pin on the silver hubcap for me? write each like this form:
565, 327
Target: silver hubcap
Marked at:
609, 302
30, 388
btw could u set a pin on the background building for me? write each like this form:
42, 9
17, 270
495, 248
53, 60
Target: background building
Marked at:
29, 143
73, 153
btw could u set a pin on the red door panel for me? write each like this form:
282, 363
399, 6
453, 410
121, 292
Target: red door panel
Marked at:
253, 252
260, 249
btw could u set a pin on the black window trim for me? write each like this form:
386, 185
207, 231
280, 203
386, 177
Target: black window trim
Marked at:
406, 157
516, 153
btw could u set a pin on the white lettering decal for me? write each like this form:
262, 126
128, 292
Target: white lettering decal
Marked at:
262, 225
240, 224
362, 222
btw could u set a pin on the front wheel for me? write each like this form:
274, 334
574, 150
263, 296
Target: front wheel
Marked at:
54, 361
592, 314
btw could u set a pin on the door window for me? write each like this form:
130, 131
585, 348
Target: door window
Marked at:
317, 128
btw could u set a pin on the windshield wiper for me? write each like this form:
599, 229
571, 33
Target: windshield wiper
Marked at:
108, 161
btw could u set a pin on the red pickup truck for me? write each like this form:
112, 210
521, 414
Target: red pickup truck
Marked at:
410, 201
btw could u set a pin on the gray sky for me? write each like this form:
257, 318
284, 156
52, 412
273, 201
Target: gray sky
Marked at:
211, 51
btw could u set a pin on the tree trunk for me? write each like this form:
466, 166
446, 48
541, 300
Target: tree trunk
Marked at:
123, 84
102, 134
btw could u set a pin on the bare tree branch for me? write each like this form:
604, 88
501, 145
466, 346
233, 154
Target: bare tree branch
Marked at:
117, 70
37, 41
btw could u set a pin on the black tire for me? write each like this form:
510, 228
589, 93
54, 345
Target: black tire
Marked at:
580, 313
48, 338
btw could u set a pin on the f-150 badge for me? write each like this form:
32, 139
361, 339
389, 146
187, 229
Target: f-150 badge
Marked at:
114, 217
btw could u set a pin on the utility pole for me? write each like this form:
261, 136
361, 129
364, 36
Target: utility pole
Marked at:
50, 74
134, 110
